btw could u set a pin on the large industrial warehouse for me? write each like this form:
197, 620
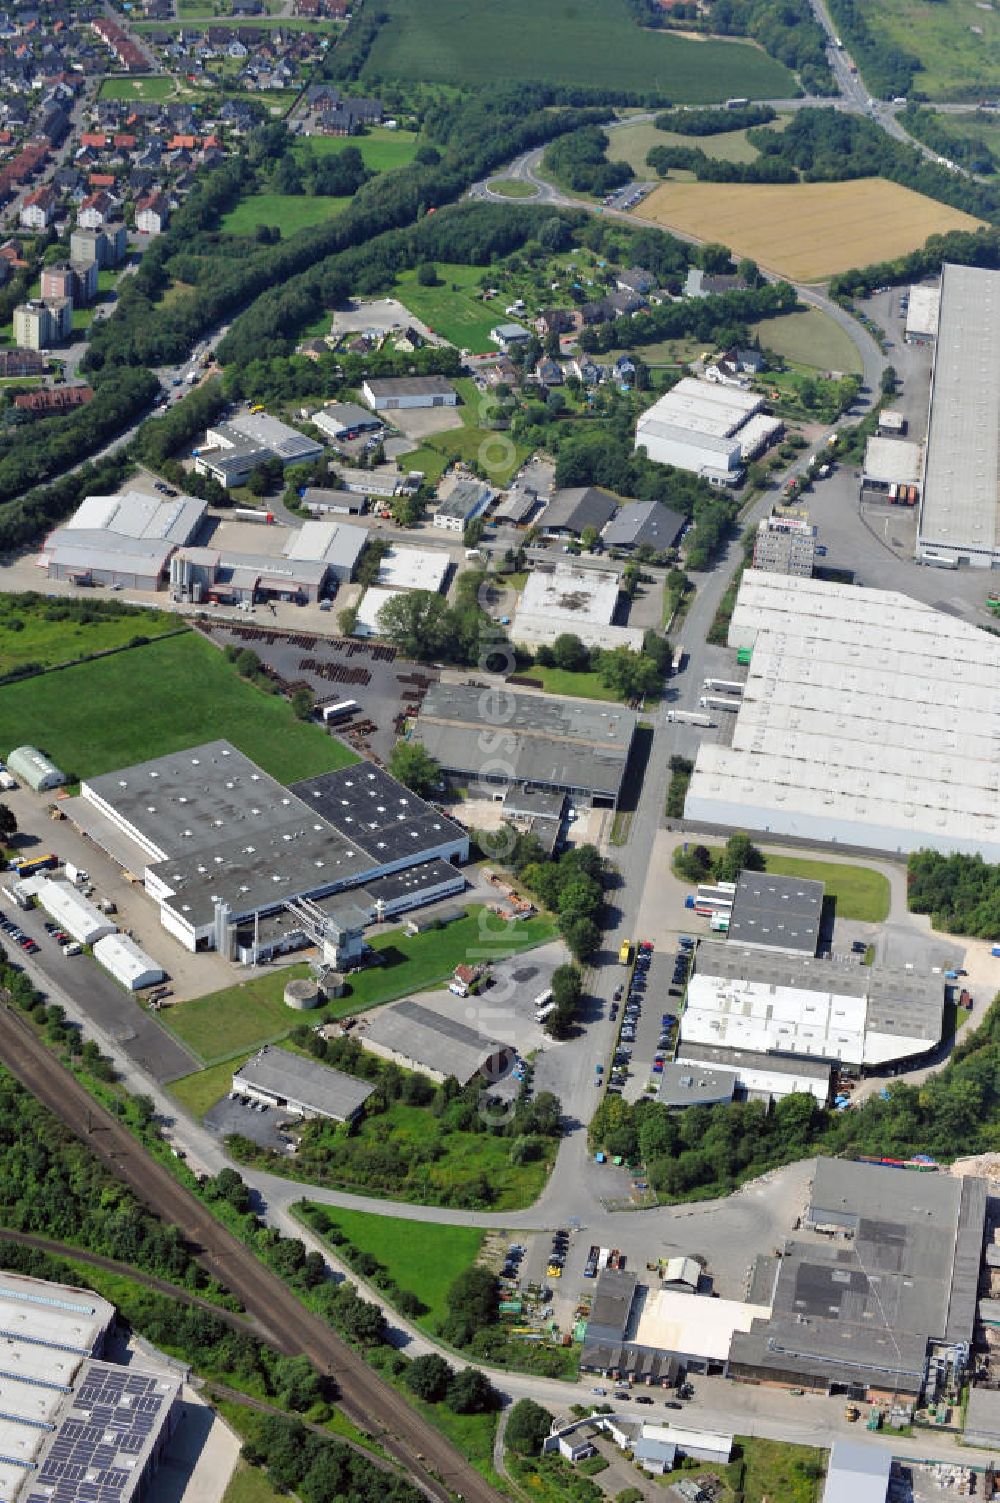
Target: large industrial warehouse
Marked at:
743, 999
707, 428
219, 842
867, 719
877, 1299
72, 1428
124, 540
567, 597
535, 740
960, 509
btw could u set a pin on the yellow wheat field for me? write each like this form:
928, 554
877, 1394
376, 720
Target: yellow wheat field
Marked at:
806, 231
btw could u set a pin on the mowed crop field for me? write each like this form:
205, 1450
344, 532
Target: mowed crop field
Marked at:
178, 692
806, 231
956, 41
589, 42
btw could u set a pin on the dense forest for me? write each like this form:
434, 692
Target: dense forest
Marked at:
580, 161
704, 1152
961, 893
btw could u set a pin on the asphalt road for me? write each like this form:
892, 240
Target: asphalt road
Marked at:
364, 1397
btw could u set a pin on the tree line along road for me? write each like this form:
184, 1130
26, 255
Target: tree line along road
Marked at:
364, 1397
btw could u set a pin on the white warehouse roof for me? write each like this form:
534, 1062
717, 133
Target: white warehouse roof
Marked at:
134, 514
923, 310
129, 964
405, 568
960, 510
366, 623
73, 912
867, 718
891, 460
325, 542
703, 407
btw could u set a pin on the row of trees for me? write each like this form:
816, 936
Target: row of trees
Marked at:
971, 150
709, 169
714, 122
701, 318
317, 1468
964, 247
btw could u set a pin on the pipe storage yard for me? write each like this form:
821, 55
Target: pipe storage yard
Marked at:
868, 719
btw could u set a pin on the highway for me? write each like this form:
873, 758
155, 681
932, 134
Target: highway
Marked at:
403, 1433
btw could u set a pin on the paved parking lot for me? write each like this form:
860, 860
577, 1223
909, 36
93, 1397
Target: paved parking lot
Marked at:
115, 1011
654, 991
260, 1127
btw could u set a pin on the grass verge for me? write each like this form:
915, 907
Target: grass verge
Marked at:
241, 1018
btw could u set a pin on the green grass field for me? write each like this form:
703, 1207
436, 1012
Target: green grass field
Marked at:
156, 88
151, 700
422, 1256
39, 640
512, 187
249, 1484
811, 338
289, 211
241, 1018
200, 1091
455, 308
860, 892
584, 43
580, 685
496, 453
956, 41
381, 150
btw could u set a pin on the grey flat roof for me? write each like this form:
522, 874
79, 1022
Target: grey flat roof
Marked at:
754, 1059
961, 498
551, 741
305, 1083
612, 1305
318, 495
865, 1305
466, 497
694, 1085
858, 1473
349, 414
385, 819
781, 911
982, 1417
534, 801
409, 386
892, 460
431, 1039
425, 877
644, 524
579, 507
216, 826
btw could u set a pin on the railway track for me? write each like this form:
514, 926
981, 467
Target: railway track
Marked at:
369, 1402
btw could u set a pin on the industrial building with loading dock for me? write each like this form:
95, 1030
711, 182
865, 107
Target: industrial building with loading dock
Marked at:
570, 745
220, 844
877, 1298
746, 1001
713, 431
301, 1086
126, 540
867, 719
568, 597
435, 1043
